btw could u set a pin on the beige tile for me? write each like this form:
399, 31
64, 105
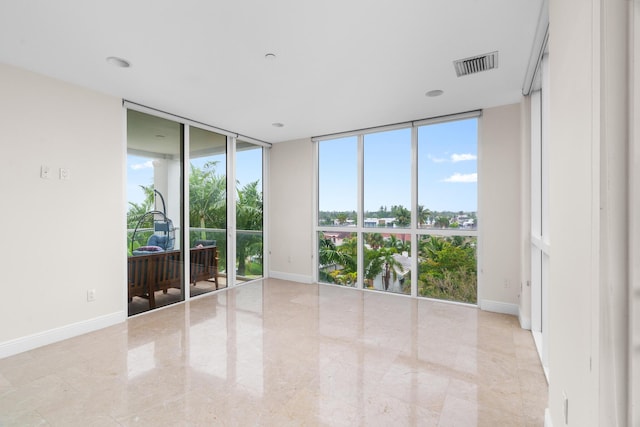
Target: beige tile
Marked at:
281, 353
409, 383
5, 385
387, 410
22, 419
30, 397
504, 396
191, 409
310, 407
461, 412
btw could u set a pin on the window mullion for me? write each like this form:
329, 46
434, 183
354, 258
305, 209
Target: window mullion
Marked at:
414, 211
231, 211
186, 247
360, 213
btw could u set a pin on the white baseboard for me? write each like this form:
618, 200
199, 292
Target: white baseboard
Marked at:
547, 418
525, 322
29, 342
499, 307
292, 277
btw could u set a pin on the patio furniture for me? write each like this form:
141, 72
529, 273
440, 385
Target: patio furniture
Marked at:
162, 270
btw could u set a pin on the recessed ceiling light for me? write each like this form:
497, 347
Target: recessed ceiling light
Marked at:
270, 56
277, 125
434, 93
118, 62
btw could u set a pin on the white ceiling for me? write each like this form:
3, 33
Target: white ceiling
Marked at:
341, 64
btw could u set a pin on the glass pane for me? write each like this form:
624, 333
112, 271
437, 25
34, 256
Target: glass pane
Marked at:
338, 182
387, 179
154, 195
338, 258
387, 262
447, 268
447, 175
249, 225
207, 210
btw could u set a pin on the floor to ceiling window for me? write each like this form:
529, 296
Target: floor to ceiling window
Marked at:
154, 195
249, 212
177, 179
397, 209
387, 208
337, 210
447, 210
208, 203
540, 238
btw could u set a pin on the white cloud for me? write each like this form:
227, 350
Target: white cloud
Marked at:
436, 159
458, 177
145, 165
463, 157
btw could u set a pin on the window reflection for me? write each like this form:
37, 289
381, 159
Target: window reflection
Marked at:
249, 212
154, 195
207, 210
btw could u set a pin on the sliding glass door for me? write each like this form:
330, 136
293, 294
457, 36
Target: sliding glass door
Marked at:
177, 180
249, 212
154, 220
207, 209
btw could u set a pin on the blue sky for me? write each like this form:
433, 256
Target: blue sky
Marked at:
447, 169
139, 172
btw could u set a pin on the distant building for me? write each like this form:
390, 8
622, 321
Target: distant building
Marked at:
379, 222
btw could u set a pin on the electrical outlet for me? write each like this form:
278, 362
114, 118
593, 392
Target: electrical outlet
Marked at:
91, 295
45, 172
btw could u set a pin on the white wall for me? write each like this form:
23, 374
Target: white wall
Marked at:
634, 226
59, 238
291, 196
588, 193
499, 206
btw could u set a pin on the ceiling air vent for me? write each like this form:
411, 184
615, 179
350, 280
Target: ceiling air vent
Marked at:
476, 64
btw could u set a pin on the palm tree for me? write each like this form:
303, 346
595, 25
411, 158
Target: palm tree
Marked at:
402, 215
248, 218
459, 241
423, 215
398, 244
329, 254
342, 218
432, 246
349, 253
136, 210
390, 265
374, 240
372, 265
391, 242
442, 222
207, 198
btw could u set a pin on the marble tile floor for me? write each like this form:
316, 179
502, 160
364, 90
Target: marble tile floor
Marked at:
139, 305
278, 353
